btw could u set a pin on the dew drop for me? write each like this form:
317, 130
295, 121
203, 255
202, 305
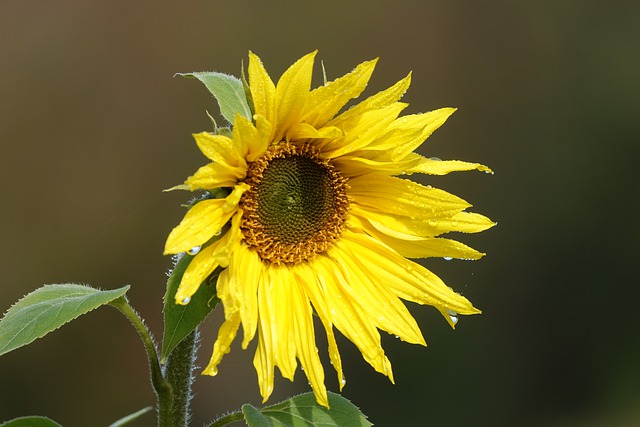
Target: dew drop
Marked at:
453, 316
433, 222
343, 381
186, 300
447, 258
454, 223
217, 233
194, 250
437, 159
403, 172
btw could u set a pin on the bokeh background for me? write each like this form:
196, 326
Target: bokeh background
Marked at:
93, 127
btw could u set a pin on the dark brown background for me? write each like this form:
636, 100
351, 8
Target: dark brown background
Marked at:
93, 127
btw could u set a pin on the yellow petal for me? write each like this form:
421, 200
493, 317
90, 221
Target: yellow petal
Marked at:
429, 247
383, 305
246, 269
281, 319
407, 133
305, 343
291, 94
261, 143
249, 138
306, 278
357, 165
199, 225
222, 346
203, 221
263, 91
214, 175
407, 279
304, 131
404, 197
220, 149
375, 102
208, 259
325, 102
264, 363
443, 167
361, 131
348, 315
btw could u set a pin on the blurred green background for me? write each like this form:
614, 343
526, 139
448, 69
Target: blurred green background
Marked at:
93, 127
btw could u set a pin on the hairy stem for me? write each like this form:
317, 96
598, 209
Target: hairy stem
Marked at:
163, 389
179, 373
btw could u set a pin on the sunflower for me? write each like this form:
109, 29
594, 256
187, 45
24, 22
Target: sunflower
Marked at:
317, 218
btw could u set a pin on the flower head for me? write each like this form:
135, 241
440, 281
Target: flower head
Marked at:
322, 220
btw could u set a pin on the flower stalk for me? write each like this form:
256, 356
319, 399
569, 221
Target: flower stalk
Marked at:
162, 387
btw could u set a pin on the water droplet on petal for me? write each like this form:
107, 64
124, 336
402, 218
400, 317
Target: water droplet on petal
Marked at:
437, 159
219, 232
194, 250
433, 222
403, 172
343, 381
453, 316
186, 300
454, 223
447, 258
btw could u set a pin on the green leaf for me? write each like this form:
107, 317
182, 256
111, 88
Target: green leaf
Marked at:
304, 411
228, 90
181, 320
33, 421
132, 417
46, 309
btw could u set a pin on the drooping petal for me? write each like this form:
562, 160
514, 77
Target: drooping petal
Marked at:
282, 320
305, 343
246, 270
307, 279
226, 335
349, 316
387, 311
264, 360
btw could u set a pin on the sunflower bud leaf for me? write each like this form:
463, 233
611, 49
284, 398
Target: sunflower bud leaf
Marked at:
304, 411
46, 309
228, 91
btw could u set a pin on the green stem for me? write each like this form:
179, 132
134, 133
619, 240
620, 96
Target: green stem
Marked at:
162, 387
227, 419
179, 373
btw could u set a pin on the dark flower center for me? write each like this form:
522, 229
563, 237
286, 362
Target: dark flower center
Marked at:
296, 206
